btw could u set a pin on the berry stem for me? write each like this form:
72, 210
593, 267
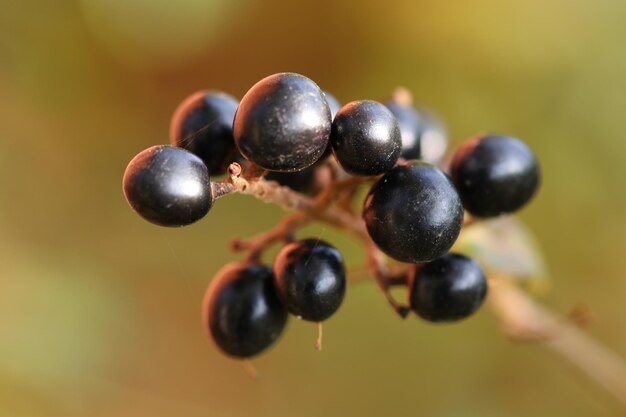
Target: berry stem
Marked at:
221, 189
271, 192
250, 369
378, 265
402, 96
521, 318
318, 341
283, 231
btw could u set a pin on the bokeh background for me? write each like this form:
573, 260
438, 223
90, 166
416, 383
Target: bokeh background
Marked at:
99, 310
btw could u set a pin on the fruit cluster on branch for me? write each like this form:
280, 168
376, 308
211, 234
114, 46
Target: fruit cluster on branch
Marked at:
289, 143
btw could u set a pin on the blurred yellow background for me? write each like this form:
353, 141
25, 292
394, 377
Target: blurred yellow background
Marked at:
99, 310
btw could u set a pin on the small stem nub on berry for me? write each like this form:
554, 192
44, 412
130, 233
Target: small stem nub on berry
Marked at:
250, 369
221, 189
318, 341
402, 96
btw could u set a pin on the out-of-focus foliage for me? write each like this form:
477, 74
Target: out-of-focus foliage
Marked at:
506, 247
99, 310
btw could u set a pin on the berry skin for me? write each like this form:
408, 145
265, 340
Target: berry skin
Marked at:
495, 175
447, 289
304, 181
168, 186
413, 213
366, 138
311, 279
283, 123
241, 310
203, 124
410, 122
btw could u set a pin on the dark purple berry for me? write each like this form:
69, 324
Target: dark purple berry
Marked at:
242, 311
495, 175
311, 279
366, 138
283, 123
305, 181
168, 186
410, 122
413, 213
203, 124
447, 289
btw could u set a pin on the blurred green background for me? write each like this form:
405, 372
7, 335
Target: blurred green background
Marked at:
99, 310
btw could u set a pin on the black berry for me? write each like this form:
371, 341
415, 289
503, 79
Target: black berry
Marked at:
495, 175
304, 181
366, 138
203, 124
450, 288
283, 123
410, 122
242, 311
310, 277
413, 213
168, 186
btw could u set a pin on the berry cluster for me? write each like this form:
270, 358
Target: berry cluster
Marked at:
284, 131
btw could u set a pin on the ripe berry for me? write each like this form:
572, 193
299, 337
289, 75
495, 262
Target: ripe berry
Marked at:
203, 124
447, 289
495, 175
304, 181
311, 279
366, 138
168, 186
283, 123
242, 311
413, 213
410, 122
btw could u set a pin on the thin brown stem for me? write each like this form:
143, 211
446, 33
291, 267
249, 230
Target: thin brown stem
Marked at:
318, 341
378, 264
340, 187
271, 192
402, 96
523, 319
284, 231
250, 369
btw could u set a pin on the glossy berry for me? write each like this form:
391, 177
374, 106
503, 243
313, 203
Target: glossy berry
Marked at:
447, 289
283, 123
203, 124
410, 122
495, 175
366, 138
304, 181
413, 213
168, 186
242, 311
311, 279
